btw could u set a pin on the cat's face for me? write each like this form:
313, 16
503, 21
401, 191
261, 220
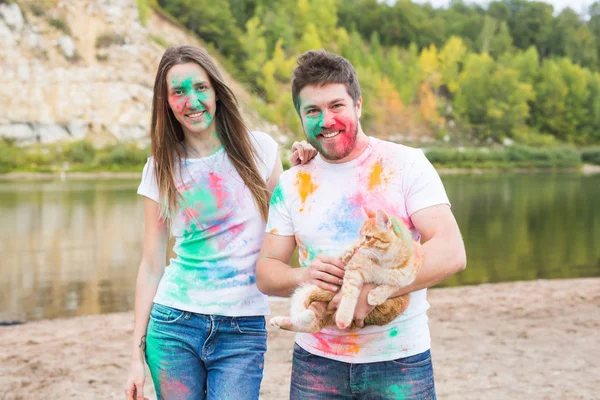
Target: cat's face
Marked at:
377, 233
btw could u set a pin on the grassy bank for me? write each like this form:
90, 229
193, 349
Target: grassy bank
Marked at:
79, 156
82, 156
512, 157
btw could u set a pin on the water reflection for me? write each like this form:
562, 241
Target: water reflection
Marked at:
73, 248
526, 226
69, 248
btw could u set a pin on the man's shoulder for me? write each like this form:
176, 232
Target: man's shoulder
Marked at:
289, 175
395, 151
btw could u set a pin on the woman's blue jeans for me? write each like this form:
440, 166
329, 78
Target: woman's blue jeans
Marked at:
197, 356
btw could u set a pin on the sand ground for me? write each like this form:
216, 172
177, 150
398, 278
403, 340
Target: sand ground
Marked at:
523, 340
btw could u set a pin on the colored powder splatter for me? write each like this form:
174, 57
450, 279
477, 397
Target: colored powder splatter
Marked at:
277, 196
344, 219
400, 392
314, 125
215, 183
192, 96
305, 185
172, 388
306, 253
394, 332
375, 175
337, 345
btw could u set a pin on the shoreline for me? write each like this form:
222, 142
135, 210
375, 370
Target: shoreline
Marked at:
516, 340
586, 169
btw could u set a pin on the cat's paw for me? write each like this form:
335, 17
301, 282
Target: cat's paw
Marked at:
376, 297
343, 319
280, 322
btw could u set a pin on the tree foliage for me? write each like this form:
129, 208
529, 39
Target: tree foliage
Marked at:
514, 69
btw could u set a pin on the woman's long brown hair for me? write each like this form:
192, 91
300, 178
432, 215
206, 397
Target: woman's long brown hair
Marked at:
167, 136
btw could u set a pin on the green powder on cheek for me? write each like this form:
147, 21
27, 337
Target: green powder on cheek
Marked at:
313, 125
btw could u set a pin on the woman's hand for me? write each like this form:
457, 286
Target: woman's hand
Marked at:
134, 388
302, 152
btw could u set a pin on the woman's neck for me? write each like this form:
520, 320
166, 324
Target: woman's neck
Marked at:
201, 145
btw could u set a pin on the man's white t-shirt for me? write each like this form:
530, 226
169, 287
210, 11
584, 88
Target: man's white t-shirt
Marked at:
321, 204
218, 232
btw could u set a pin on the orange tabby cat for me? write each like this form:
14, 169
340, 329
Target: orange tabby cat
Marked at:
386, 255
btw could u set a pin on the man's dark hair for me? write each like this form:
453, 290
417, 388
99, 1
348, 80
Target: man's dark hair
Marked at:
320, 68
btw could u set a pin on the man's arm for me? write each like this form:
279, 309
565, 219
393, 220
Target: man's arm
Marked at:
442, 244
274, 275
444, 254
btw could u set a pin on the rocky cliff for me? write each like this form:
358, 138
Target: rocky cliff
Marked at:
75, 69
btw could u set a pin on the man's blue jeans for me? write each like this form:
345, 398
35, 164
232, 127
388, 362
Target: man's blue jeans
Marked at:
197, 356
319, 378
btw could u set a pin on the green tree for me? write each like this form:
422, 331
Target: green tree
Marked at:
451, 58
255, 47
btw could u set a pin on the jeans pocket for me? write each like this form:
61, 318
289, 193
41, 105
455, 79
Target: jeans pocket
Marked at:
417, 361
164, 314
301, 353
251, 325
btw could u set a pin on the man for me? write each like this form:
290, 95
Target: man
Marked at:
319, 207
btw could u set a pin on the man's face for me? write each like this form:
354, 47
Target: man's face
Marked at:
330, 119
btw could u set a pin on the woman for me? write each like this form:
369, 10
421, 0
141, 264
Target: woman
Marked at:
200, 322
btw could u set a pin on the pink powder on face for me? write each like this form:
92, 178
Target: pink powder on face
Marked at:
344, 141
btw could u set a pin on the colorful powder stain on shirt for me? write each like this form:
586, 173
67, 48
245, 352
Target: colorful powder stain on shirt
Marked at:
215, 183
344, 219
277, 196
376, 176
306, 253
306, 186
338, 345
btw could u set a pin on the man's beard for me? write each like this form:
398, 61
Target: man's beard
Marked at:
316, 143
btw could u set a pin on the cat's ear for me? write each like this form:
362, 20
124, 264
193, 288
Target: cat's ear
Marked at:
383, 221
369, 212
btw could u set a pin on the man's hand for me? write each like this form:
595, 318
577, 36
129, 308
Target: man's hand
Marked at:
302, 152
362, 306
325, 272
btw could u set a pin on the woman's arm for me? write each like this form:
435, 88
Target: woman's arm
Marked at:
149, 274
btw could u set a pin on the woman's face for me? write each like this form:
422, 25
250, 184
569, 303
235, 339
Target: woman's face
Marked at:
192, 98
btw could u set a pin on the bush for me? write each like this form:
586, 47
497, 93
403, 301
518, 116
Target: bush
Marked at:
509, 157
80, 152
10, 156
591, 155
122, 155
60, 25
109, 39
37, 10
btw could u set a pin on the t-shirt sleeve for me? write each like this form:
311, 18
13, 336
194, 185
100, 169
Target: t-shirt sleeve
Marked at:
280, 218
267, 150
423, 186
149, 187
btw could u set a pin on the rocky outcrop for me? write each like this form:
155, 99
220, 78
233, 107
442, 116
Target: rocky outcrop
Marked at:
82, 69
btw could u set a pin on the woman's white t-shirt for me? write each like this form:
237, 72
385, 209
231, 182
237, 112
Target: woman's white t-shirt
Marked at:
218, 232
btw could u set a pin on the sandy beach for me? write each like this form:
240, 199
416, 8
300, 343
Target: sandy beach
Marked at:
523, 340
